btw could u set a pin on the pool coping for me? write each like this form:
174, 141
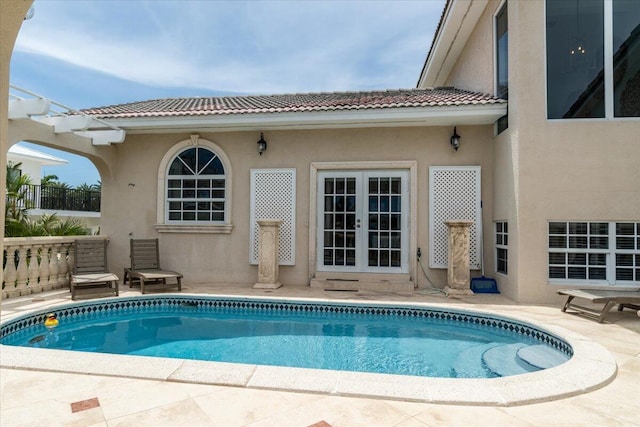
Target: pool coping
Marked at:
590, 368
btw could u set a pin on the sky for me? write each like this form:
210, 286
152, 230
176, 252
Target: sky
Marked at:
102, 52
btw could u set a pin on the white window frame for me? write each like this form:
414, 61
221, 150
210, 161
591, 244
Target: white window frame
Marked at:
498, 10
608, 70
162, 224
609, 252
501, 237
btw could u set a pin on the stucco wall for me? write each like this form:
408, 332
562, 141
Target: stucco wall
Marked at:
130, 210
474, 68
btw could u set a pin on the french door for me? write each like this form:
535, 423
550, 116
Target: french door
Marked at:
363, 221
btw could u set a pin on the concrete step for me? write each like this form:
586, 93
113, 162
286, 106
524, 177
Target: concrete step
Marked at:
363, 282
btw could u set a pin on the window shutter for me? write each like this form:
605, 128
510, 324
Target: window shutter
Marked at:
454, 193
273, 196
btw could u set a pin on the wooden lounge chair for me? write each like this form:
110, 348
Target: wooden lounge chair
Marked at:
624, 299
90, 269
145, 266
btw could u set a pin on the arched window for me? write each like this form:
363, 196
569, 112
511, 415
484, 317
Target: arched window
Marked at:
196, 187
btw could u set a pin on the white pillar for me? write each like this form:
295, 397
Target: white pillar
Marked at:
458, 273
268, 262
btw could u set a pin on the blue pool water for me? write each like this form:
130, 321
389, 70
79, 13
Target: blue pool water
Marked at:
366, 338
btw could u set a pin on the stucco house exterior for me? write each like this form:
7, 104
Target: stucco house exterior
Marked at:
363, 181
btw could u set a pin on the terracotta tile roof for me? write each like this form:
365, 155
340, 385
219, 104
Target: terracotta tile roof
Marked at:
326, 101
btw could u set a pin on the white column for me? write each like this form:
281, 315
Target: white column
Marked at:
268, 262
458, 272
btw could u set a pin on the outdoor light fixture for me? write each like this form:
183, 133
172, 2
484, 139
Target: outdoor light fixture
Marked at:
262, 144
455, 140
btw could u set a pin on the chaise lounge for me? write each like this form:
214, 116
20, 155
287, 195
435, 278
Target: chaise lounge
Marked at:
90, 269
624, 299
145, 266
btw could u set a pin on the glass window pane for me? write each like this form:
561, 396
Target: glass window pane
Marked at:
396, 186
601, 228
575, 58
597, 259
577, 228
625, 228
599, 242
502, 50
395, 240
557, 273
179, 168
385, 186
626, 59
556, 258
577, 259
577, 273
624, 274
557, 242
373, 204
188, 157
557, 228
578, 242
395, 258
328, 186
625, 243
597, 273
351, 186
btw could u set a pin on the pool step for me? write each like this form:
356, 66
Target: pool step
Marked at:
469, 364
541, 356
503, 360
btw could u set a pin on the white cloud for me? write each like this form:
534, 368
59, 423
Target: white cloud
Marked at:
251, 47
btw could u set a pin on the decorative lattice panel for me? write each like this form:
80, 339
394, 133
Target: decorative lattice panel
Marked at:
273, 196
454, 193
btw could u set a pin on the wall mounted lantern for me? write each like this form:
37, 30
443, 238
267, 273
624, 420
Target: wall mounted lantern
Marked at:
262, 144
455, 139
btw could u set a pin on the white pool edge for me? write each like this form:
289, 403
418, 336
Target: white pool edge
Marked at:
590, 368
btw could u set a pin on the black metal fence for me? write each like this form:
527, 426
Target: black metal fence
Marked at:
62, 199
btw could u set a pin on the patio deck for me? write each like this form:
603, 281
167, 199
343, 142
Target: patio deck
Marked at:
30, 397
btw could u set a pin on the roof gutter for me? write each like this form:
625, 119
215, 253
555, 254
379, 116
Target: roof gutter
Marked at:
392, 117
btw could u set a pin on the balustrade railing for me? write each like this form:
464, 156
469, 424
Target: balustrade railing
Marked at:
36, 264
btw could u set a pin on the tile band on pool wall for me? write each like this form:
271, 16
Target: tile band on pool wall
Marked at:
229, 305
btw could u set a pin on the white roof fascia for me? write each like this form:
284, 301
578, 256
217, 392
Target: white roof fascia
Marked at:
20, 152
413, 116
459, 21
103, 137
25, 108
63, 124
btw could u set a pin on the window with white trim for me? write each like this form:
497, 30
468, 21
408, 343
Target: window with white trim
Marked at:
196, 187
501, 26
600, 252
592, 60
502, 243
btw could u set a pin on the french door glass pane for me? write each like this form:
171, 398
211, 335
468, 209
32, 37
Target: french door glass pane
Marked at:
385, 201
339, 222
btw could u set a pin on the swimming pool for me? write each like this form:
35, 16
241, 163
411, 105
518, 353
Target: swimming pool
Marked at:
590, 367
377, 338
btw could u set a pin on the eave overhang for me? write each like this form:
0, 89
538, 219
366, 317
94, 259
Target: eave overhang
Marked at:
454, 115
459, 20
